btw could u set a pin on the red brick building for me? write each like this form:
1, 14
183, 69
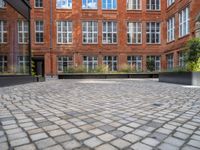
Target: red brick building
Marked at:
68, 33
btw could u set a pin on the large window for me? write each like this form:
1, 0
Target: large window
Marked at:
90, 32
184, 22
39, 31
64, 4
153, 4
170, 61
153, 32
23, 32
171, 29
23, 64
109, 32
109, 4
134, 32
111, 62
3, 64
3, 31
153, 63
90, 62
2, 4
181, 59
64, 32
133, 4
89, 4
38, 3
135, 62
64, 63
170, 2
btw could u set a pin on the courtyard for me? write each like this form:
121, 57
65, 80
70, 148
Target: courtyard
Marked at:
138, 114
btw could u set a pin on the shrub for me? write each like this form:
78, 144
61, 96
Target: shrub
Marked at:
150, 65
127, 68
101, 69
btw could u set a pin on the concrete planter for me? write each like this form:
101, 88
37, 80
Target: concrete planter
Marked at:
186, 78
9, 80
106, 75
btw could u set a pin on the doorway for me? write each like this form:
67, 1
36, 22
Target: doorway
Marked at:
38, 65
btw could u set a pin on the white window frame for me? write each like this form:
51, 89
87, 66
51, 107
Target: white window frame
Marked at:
68, 61
112, 5
93, 60
2, 4
90, 28
181, 59
39, 29
41, 3
153, 7
170, 61
66, 2
157, 62
3, 31
67, 32
136, 62
94, 2
23, 32
170, 2
134, 31
106, 31
171, 29
112, 62
4, 63
155, 33
134, 4
184, 22
24, 61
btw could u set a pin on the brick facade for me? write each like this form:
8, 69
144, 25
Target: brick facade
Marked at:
50, 50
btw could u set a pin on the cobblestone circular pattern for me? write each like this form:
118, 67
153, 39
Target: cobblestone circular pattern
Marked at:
100, 114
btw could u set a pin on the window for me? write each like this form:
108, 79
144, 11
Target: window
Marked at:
3, 64
2, 4
39, 31
184, 22
111, 62
109, 32
90, 32
64, 4
90, 62
23, 35
133, 4
64, 63
89, 4
38, 3
23, 64
170, 61
181, 59
135, 62
171, 29
64, 32
3, 31
109, 4
153, 33
134, 34
153, 63
153, 4
170, 2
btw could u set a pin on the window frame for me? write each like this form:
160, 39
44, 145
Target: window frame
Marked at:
25, 25
3, 31
25, 60
137, 60
154, 33
4, 63
137, 30
67, 4
170, 61
131, 2
90, 59
150, 5
65, 32
40, 32
112, 5
171, 29
68, 61
111, 32
86, 6
112, 61
2, 4
170, 2
41, 4
184, 25
88, 33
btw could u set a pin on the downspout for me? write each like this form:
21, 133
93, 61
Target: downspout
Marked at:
30, 51
51, 33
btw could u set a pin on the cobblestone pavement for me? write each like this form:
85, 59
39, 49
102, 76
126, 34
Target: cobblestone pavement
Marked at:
100, 114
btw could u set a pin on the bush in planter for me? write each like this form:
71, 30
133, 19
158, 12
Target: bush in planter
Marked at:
193, 55
150, 65
127, 69
78, 69
101, 69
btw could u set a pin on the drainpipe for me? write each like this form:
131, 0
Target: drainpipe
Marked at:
51, 33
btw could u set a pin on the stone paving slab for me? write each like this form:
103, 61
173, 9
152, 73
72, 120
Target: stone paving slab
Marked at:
109, 114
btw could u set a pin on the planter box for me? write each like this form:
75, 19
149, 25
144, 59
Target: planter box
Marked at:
106, 76
8, 80
186, 78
